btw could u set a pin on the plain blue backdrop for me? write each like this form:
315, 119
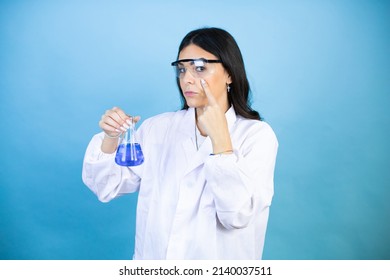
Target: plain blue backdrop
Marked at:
319, 72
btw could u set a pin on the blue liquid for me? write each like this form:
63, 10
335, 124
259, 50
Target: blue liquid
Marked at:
129, 155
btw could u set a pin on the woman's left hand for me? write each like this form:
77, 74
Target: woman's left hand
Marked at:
212, 121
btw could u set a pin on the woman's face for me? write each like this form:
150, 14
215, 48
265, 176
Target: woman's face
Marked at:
217, 80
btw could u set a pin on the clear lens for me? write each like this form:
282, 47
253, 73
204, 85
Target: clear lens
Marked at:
198, 68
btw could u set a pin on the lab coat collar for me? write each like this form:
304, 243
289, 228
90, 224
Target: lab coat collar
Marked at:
231, 118
196, 158
189, 118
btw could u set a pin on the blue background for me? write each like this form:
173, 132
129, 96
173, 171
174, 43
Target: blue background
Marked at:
320, 76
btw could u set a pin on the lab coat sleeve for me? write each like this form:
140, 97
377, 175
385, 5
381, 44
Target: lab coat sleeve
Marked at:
103, 176
242, 182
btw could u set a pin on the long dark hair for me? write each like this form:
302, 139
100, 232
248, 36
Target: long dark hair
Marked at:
221, 44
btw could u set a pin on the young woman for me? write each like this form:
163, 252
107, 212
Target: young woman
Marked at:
206, 184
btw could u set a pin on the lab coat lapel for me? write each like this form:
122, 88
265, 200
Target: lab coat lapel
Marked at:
187, 128
198, 157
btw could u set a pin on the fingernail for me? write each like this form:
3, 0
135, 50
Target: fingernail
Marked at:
203, 81
117, 130
123, 129
126, 125
129, 121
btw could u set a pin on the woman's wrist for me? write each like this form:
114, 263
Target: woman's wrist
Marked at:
109, 143
112, 136
222, 144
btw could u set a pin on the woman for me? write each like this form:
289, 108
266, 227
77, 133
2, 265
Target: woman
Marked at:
206, 184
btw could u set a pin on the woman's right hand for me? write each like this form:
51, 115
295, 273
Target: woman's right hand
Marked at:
114, 122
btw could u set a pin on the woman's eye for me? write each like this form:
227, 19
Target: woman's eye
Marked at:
181, 70
200, 68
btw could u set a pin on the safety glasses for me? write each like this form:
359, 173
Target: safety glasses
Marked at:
199, 68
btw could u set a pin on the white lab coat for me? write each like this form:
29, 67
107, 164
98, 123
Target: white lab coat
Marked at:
192, 205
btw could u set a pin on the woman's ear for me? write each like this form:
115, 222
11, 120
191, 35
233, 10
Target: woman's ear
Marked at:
228, 80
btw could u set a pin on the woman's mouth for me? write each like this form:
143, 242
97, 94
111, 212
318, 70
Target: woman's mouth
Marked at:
190, 93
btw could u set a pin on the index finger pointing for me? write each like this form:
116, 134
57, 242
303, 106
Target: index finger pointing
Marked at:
209, 95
